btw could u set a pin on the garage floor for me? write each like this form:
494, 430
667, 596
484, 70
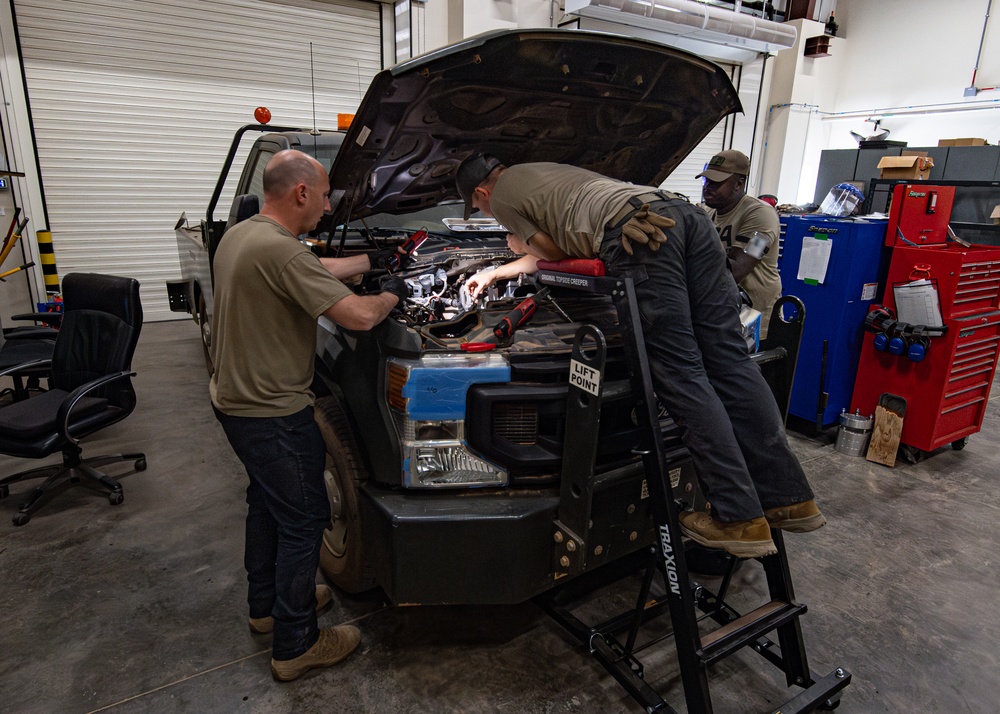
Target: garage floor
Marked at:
141, 607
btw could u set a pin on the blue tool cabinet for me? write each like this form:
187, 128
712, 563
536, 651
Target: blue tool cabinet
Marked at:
836, 307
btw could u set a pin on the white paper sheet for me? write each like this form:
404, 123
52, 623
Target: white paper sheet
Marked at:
815, 258
918, 303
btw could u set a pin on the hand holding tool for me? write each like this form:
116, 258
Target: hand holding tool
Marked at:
403, 255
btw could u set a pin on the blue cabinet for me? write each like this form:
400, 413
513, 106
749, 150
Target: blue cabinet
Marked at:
836, 304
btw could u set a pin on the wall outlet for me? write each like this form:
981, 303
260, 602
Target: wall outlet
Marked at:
3, 211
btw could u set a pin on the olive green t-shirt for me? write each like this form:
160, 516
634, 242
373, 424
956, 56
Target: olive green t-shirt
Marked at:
570, 204
763, 284
269, 290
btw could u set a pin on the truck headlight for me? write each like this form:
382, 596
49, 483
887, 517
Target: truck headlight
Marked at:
427, 401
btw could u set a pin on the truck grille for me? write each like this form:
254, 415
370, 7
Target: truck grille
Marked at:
516, 423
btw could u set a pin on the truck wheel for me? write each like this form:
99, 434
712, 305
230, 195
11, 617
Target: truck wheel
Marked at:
205, 327
343, 558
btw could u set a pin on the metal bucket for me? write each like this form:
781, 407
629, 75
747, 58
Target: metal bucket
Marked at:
853, 434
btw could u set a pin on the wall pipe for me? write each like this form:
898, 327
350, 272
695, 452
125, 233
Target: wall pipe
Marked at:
973, 90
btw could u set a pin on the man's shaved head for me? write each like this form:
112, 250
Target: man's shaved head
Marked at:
287, 169
296, 191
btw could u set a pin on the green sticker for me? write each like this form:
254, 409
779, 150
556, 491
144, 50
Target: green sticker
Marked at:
820, 236
810, 281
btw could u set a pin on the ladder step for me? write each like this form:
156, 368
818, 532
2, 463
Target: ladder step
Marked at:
747, 628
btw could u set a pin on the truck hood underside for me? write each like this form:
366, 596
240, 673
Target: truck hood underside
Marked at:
623, 107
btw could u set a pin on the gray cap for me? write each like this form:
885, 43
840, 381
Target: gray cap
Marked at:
472, 172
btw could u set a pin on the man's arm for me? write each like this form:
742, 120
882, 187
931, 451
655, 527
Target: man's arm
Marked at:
361, 312
541, 246
483, 279
342, 268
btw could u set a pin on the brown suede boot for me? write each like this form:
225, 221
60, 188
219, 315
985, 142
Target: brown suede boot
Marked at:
744, 539
264, 625
796, 518
333, 646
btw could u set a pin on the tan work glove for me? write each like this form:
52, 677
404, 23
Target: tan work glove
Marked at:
646, 228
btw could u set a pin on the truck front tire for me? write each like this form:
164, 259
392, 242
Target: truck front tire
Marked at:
343, 558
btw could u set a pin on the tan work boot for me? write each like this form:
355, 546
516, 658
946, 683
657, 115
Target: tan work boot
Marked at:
332, 646
263, 625
796, 518
744, 539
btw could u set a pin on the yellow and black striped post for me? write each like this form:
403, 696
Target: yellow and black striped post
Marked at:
47, 257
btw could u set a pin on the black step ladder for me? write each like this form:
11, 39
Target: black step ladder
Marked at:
613, 642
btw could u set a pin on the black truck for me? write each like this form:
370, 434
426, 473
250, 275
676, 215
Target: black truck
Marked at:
444, 463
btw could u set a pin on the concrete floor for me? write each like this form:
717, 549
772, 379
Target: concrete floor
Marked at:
141, 607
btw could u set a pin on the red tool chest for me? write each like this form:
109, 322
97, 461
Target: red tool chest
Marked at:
946, 379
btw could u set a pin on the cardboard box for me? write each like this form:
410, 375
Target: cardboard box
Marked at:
905, 167
996, 215
967, 141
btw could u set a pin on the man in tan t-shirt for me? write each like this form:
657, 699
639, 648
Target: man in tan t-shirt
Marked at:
748, 228
269, 291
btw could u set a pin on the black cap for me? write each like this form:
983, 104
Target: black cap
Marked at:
472, 172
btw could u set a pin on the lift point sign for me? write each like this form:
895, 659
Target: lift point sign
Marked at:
583, 377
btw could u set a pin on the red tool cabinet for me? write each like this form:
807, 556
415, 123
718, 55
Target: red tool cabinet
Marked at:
946, 390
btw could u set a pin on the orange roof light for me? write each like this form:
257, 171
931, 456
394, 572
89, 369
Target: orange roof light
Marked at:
344, 121
262, 115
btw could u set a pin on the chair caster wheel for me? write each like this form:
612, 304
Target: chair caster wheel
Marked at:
957, 445
20, 519
140, 465
115, 498
4, 491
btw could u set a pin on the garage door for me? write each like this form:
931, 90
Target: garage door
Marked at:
134, 105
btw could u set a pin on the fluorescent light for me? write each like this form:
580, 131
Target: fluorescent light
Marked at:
694, 20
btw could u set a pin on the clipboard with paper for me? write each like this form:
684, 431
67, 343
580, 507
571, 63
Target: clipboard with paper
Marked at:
918, 302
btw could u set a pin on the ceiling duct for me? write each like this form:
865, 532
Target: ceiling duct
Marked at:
692, 20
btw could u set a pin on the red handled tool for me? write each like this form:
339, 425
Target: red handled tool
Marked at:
513, 320
409, 247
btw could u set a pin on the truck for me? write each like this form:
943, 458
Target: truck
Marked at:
443, 464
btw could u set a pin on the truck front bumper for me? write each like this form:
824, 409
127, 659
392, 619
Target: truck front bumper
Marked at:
460, 547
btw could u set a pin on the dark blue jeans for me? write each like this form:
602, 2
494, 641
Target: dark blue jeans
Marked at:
702, 371
287, 513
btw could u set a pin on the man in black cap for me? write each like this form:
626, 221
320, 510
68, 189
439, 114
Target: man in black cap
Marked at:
690, 312
748, 228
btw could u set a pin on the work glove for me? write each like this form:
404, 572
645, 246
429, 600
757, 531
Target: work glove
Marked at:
380, 259
396, 286
646, 228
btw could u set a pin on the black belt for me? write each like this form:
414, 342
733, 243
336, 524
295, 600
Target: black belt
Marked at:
631, 206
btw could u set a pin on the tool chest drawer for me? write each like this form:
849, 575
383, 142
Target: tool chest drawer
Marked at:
968, 279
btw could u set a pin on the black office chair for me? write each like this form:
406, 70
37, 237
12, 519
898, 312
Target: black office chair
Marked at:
91, 388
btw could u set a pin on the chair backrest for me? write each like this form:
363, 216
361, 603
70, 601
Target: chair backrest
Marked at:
245, 206
100, 329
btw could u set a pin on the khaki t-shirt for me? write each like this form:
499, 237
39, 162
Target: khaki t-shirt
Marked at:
763, 284
269, 290
570, 204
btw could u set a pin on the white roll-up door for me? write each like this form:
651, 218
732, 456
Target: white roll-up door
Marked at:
135, 103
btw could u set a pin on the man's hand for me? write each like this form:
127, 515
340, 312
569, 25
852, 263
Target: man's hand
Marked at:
380, 258
480, 281
646, 228
396, 286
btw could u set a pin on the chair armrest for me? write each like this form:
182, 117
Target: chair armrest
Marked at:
49, 318
26, 365
35, 332
66, 408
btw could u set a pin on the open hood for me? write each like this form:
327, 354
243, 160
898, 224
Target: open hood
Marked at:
626, 108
